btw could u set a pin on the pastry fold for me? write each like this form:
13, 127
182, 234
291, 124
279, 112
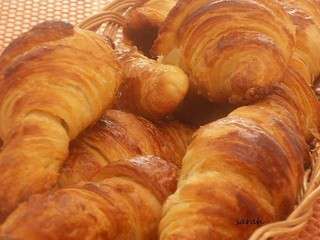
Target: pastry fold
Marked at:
119, 135
232, 50
247, 167
124, 203
53, 85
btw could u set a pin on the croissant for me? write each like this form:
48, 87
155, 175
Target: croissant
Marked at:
150, 89
228, 49
51, 89
144, 22
305, 14
124, 203
41, 33
119, 135
247, 167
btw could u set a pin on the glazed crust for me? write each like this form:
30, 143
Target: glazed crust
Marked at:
51, 90
227, 48
247, 166
251, 162
40, 34
150, 89
124, 204
305, 14
119, 135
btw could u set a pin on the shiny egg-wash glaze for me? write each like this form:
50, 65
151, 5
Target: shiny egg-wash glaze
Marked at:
209, 39
124, 202
227, 48
252, 155
151, 89
119, 135
249, 165
52, 87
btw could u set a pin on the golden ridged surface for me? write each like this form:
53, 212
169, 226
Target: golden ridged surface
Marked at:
248, 165
227, 48
119, 135
150, 89
19, 15
51, 89
124, 203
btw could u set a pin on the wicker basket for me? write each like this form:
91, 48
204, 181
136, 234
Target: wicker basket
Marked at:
304, 221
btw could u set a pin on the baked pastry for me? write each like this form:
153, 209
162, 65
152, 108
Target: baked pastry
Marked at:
247, 167
51, 89
305, 14
150, 89
119, 135
124, 203
227, 48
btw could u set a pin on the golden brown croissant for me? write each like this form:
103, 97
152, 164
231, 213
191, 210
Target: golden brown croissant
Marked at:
41, 33
125, 203
150, 89
119, 135
51, 90
305, 14
144, 22
228, 48
247, 167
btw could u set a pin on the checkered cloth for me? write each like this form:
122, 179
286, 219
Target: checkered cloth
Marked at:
17, 16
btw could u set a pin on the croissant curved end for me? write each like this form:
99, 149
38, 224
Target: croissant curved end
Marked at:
171, 88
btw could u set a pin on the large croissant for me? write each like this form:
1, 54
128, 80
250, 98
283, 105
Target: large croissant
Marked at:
228, 48
55, 81
119, 135
245, 168
124, 203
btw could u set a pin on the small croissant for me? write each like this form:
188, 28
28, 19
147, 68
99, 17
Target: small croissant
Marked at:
150, 89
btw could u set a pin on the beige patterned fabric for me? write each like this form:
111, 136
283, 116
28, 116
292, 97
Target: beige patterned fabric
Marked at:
17, 16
